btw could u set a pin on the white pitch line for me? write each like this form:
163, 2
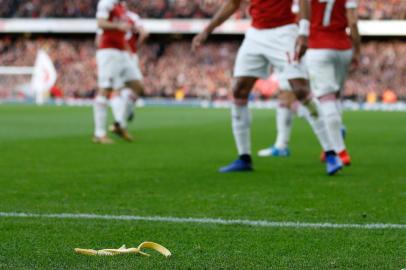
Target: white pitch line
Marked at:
217, 221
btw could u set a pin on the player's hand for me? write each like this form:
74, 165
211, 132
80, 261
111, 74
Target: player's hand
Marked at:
124, 27
301, 47
199, 40
355, 60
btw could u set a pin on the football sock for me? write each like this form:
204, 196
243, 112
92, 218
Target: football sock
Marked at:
117, 106
284, 127
100, 115
312, 106
339, 105
333, 121
330, 153
318, 126
129, 102
246, 158
241, 125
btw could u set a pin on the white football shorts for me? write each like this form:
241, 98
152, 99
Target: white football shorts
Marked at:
115, 68
132, 71
263, 48
328, 70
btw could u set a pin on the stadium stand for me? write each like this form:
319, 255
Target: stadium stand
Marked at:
205, 74
369, 9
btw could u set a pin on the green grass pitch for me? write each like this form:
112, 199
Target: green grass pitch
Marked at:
49, 165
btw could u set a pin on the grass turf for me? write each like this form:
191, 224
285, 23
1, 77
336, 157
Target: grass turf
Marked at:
49, 165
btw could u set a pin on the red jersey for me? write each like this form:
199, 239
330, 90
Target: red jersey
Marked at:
268, 14
329, 24
132, 37
113, 11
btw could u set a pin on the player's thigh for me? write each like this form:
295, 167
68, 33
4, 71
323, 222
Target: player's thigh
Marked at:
321, 68
136, 86
250, 61
109, 69
286, 98
104, 60
132, 71
281, 53
343, 62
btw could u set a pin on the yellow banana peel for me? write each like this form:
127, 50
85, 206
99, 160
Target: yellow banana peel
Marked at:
123, 250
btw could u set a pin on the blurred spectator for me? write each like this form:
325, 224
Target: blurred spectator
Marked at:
171, 69
369, 9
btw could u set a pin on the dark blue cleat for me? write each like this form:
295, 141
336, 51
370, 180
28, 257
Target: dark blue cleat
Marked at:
333, 164
237, 166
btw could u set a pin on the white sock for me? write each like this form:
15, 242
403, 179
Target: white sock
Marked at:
241, 124
100, 115
339, 105
283, 127
128, 98
117, 106
333, 121
318, 126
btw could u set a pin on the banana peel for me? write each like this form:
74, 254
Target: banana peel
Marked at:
123, 250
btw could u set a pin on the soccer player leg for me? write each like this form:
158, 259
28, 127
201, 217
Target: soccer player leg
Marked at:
129, 99
318, 126
284, 117
325, 87
248, 67
290, 69
107, 76
342, 67
241, 125
117, 106
100, 116
343, 63
295, 72
134, 87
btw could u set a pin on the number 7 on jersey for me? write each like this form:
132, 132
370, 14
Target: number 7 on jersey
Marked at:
327, 11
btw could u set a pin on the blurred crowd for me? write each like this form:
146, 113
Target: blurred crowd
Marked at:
369, 9
382, 10
171, 69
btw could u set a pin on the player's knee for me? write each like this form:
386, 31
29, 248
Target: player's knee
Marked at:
103, 92
302, 93
136, 86
301, 89
100, 100
286, 99
242, 89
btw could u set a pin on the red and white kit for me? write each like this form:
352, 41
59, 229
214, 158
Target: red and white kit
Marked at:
132, 42
111, 56
270, 42
330, 48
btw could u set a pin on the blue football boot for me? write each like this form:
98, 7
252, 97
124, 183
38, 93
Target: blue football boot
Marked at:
237, 166
323, 154
333, 164
274, 152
